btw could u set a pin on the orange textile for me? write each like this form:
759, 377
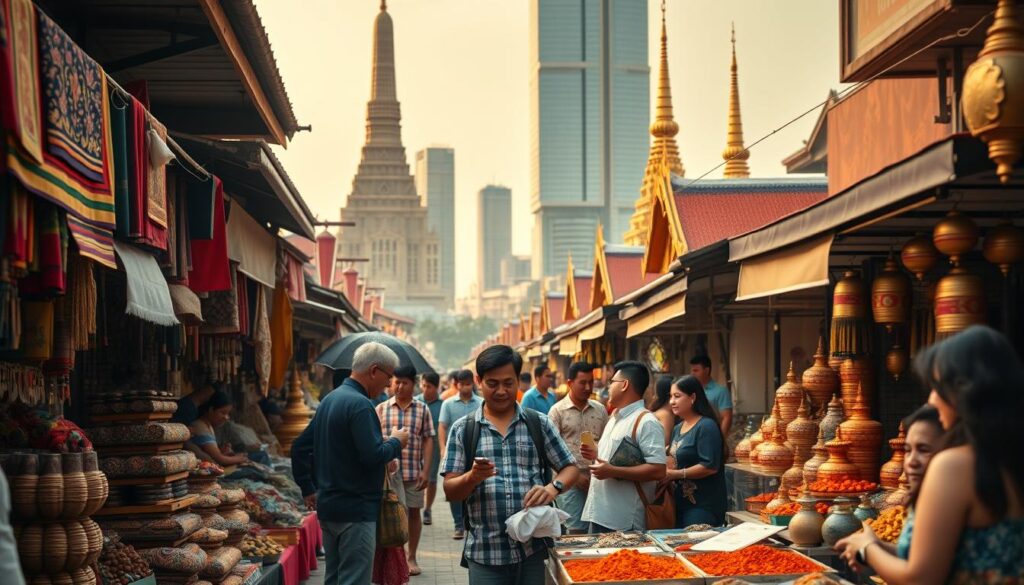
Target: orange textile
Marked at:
280, 336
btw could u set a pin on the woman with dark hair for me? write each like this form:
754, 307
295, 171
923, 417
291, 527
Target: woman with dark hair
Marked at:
969, 516
696, 457
661, 408
924, 438
215, 412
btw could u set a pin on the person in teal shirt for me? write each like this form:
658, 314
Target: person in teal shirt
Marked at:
718, 395
429, 383
541, 397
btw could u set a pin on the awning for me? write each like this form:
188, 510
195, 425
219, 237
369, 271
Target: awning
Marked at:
660, 313
798, 267
321, 307
594, 331
569, 345
533, 352
927, 170
252, 246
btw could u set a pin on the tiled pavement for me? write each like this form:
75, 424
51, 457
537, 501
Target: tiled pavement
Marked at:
439, 555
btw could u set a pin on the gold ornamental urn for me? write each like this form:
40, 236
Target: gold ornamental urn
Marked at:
959, 302
820, 381
891, 296
893, 468
919, 255
865, 436
955, 235
812, 464
1004, 246
788, 397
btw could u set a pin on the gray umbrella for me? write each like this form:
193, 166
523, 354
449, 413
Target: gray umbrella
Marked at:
340, 353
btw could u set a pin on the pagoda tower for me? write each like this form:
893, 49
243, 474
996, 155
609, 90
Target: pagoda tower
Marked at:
735, 154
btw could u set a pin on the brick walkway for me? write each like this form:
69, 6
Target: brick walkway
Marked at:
439, 555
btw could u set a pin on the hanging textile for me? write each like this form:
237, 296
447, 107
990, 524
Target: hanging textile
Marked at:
136, 133
120, 113
76, 171
19, 73
252, 246
220, 308
17, 245
261, 339
187, 306
280, 337
93, 242
210, 270
295, 277
148, 296
46, 272
156, 176
37, 330
83, 297
202, 198
242, 289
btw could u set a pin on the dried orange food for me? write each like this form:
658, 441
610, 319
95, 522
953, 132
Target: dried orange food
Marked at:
765, 497
848, 485
889, 523
627, 565
754, 560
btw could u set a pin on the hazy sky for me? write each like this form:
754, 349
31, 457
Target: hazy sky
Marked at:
463, 81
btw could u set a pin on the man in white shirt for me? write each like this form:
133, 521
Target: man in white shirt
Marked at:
613, 502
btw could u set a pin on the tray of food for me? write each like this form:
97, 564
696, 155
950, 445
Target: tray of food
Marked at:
676, 539
628, 566
758, 563
616, 540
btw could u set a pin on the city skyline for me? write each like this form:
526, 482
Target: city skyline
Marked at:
490, 39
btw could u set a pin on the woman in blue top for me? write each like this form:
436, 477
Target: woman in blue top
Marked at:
969, 516
203, 441
696, 457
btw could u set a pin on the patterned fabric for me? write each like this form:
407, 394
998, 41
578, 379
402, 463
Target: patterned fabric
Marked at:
147, 466
188, 559
570, 422
414, 418
209, 271
150, 433
19, 69
220, 562
280, 336
170, 528
220, 308
261, 339
991, 555
497, 498
93, 242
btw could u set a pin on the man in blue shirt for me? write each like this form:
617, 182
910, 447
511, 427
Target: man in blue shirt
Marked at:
339, 461
718, 395
429, 383
506, 473
541, 398
454, 408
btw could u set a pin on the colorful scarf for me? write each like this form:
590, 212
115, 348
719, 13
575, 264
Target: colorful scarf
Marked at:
210, 270
46, 273
93, 242
280, 336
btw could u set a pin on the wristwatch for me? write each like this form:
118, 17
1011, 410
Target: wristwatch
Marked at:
559, 486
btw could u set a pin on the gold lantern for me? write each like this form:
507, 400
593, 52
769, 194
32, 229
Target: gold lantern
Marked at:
896, 361
890, 296
1004, 246
849, 334
919, 255
959, 302
993, 90
955, 235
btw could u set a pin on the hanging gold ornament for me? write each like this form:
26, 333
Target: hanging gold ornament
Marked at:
1004, 246
993, 90
955, 235
919, 255
896, 361
890, 296
959, 302
849, 335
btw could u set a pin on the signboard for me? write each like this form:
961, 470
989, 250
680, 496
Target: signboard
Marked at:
739, 537
873, 21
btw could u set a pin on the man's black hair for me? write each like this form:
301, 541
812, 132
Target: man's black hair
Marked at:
578, 368
539, 371
464, 376
452, 375
497, 356
636, 373
432, 378
525, 378
701, 360
406, 372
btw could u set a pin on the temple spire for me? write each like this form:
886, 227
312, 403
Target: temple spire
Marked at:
664, 150
735, 154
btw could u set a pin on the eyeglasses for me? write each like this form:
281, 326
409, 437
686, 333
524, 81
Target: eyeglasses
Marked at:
386, 373
614, 380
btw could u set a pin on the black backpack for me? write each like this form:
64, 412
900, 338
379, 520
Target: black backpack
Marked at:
471, 438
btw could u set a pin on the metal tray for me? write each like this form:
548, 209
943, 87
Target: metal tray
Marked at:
778, 578
561, 576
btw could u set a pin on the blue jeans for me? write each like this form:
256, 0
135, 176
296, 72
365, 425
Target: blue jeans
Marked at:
528, 572
349, 548
572, 502
457, 515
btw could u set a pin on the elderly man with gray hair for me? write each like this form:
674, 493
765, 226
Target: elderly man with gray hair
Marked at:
339, 463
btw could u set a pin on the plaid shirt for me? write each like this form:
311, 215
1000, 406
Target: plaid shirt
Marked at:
501, 496
416, 419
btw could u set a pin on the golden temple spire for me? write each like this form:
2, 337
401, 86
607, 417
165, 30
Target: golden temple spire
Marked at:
735, 154
384, 5
664, 150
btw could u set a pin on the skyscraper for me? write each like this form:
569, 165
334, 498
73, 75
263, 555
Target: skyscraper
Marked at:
435, 184
390, 220
590, 111
494, 242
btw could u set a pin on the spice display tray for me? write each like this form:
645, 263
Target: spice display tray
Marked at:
142, 449
660, 537
561, 575
132, 417
583, 541
159, 508
157, 480
778, 578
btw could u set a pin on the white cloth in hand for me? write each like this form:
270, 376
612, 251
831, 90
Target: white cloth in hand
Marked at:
535, 522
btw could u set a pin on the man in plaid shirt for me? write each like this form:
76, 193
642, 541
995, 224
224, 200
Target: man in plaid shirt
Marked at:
505, 476
402, 412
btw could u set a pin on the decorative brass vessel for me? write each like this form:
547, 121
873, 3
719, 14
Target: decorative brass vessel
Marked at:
775, 456
802, 433
959, 302
865, 436
857, 375
919, 255
896, 361
893, 468
891, 296
955, 235
296, 415
743, 448
820, 381
849, 332
837, 467
789, 396
1004, 246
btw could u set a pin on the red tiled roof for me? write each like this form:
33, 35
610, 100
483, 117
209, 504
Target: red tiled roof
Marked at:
707, 218
556, 306
625, 273
582, 285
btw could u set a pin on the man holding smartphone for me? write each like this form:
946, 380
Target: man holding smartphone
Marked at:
494, 463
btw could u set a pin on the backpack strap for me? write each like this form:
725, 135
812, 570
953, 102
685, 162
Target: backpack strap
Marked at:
533, 425
470, 440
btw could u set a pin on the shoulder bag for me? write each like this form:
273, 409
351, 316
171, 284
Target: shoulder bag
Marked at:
660, 513
393, 520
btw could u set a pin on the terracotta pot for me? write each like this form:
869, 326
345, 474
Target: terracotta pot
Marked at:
96, 482
840, 522
789, 396
833, 418
30, 549
820, 380
802, 433
857, 375
742, 450
775, 456
819, 457
756, 440
892, 469
865, 436
805, 527
57, 548
24, 485
837, 467
94, 535
792, 481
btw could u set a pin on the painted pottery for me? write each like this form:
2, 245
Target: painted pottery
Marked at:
892, 469
788, 397
840, 522
865, 437
820, 381
820, 456
865, 510
834, 416
857, 375
805, 527
837, 467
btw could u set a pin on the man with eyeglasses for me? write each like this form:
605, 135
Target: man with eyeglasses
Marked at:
541, 398
613, 502
498, 460
339, 460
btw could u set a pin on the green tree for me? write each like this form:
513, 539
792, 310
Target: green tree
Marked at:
454, 338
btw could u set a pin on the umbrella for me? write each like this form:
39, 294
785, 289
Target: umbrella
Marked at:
338, 356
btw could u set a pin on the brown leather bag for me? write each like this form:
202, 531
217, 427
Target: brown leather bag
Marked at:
659, 513
393, 521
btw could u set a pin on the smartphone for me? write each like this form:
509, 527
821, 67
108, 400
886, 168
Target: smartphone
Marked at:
482, 460
587, 438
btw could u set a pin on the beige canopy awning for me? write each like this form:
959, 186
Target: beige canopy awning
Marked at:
569, 345
661, 306
798, 267
594, 331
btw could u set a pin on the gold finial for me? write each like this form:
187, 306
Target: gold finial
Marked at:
383, 5
664, 150
735, 154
